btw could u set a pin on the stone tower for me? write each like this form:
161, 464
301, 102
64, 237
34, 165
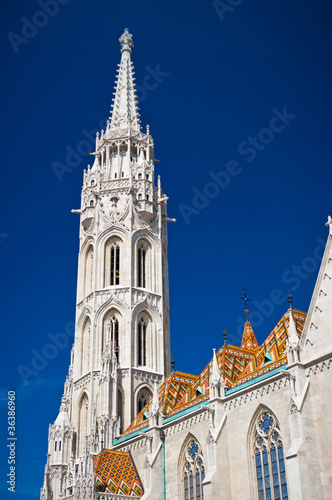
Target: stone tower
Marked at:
122, 340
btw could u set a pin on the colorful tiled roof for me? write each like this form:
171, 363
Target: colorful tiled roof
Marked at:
170, 392
237, 365
272, 353
116, 473
248, 338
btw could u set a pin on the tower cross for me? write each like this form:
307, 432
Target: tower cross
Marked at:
246, 300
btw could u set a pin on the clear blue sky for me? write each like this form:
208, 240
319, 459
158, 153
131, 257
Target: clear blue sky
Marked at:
221, 79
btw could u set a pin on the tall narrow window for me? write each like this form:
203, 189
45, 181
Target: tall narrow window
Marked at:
115, 335
88, 285
112, 261
142, 398
193, 471
115, 264
85, 348
82, 424
141, 361
141, 271
269, 458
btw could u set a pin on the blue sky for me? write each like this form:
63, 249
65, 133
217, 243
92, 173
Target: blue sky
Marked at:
240, 111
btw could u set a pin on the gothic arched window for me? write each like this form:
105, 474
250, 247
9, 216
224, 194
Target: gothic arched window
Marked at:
82, 424
141, 265
111, 332
114, 335
269, 458
141, 338
115, 264
85, 346
193, 471
143, 397
88, 285
112, 263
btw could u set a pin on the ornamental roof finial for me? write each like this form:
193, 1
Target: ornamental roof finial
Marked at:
246, 300
290, 300
126, 41
224, 333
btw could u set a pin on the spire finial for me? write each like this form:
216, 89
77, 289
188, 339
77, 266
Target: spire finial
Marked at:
290, 300
224, 334
125, 112
172, 365
126, 41
246, 300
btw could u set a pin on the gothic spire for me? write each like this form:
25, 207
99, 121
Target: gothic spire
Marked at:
248, 337
293, 336
125, 113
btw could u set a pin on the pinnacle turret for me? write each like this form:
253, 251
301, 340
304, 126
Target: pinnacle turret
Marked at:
125, 112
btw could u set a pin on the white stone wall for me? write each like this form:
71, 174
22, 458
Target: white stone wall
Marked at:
228, 452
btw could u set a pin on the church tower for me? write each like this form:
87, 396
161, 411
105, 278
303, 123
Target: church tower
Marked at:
122, 340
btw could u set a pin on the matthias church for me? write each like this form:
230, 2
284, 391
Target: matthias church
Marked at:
255, 424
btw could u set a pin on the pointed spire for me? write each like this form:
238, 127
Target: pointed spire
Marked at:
215, 372
155, 405
125, 113
293, 337
217, 385
248, 337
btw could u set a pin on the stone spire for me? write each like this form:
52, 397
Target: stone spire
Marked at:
217, 384
293, 336
215, 372
155, 409
155, 405
125, 113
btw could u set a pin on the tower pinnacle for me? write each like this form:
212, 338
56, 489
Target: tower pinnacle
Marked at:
126, 41
125, 112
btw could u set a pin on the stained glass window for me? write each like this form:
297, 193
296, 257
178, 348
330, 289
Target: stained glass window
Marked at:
269, 458
193, 471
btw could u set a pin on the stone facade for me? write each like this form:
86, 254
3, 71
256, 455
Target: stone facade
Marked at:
122, 343
217, 435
